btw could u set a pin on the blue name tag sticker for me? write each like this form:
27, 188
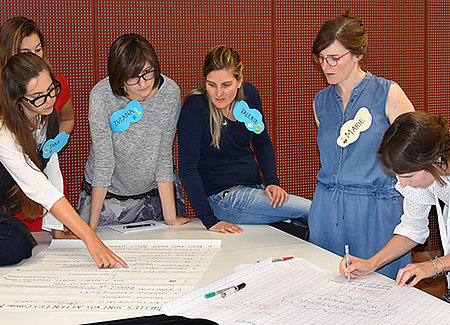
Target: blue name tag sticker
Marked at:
121, 119
55, 145
251, 117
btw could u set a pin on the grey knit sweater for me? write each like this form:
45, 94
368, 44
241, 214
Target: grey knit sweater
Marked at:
132, 161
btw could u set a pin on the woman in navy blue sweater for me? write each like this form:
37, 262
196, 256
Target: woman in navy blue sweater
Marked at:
220, 131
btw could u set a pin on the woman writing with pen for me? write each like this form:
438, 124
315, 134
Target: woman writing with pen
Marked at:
416, 148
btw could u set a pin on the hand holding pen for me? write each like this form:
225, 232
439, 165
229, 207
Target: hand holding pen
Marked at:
356, 267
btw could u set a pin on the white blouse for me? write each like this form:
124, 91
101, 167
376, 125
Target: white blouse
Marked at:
30, 179
416, 207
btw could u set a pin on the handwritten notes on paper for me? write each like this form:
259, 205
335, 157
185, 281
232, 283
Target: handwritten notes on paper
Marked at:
294, 293
64, 277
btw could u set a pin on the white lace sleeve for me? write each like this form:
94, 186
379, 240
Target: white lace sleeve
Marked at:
416, 207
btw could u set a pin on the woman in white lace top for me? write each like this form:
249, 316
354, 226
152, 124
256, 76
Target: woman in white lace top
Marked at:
416, 147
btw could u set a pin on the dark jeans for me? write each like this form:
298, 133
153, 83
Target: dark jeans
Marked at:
15, 244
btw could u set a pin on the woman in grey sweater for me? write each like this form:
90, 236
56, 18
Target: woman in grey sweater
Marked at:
133, 113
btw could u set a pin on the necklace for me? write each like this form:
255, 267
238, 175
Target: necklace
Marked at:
226, 116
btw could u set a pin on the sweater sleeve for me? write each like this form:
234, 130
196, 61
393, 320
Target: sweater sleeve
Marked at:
101, 135
262, 145
191, 127
29, 178
164, 168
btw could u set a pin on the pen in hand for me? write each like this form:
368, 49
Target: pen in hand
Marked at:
347, 260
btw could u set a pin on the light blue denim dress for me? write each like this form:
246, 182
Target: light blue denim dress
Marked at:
355, 201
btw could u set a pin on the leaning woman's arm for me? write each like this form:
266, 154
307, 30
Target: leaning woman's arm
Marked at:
396, 247
37, 187
97, 198
102, 255
102, 150
167, 195
164, 167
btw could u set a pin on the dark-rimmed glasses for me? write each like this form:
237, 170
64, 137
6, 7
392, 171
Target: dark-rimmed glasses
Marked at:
331, 60
147, 75
40, 100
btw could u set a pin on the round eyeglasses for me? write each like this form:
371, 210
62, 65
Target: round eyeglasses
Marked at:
40, 100
147, 75
331, 60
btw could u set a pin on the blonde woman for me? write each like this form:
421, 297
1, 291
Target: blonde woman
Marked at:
216, 152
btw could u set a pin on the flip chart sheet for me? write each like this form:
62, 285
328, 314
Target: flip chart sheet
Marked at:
65, 278
297, 292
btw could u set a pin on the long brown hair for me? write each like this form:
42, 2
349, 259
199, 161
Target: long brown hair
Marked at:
16, 74
220, 57
416, 141
12, 33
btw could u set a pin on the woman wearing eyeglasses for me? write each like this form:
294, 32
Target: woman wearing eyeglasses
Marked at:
355, 201
20, 34
129, 175
28, 123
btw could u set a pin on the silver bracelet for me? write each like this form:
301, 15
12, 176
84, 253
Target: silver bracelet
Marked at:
443, 266
435, 268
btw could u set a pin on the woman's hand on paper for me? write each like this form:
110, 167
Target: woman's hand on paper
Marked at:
102, 255
411, 274
358, 267
276, 195
226, 228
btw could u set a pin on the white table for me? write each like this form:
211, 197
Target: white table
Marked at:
256, 243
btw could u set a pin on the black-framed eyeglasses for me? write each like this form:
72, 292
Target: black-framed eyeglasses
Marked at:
40, 100
147, 75
331, 60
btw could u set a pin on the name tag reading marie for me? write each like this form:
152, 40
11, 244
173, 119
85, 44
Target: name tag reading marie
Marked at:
55, 145
121, 119
351, 129
251, 117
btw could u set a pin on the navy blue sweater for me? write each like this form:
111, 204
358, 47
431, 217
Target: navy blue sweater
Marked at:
205, 170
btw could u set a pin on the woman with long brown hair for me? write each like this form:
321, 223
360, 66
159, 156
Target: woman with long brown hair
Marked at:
21, 34
28, 125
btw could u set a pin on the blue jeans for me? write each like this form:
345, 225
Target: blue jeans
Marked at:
249, 204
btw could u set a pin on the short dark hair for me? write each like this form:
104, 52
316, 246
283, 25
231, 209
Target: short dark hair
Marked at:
414, 142
346, 29
127, 57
